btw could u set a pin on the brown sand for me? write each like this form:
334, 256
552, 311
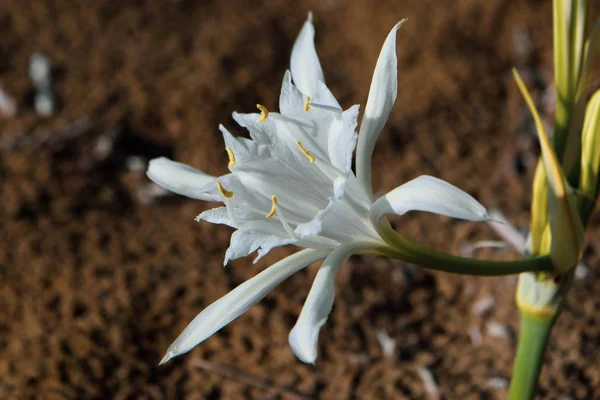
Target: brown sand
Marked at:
96, 281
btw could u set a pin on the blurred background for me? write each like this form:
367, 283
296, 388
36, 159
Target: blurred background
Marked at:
100, 271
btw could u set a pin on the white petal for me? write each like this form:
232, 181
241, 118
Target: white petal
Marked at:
291, 99
181, 179
238, 301
217, 215
260, 234
315, 225
244, 150
342, 139
304, 63
260, 132
429, 194
304, 336
382, 95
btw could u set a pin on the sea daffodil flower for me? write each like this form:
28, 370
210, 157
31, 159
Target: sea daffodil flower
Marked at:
292, 183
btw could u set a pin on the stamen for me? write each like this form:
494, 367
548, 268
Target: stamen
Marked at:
285, 224
264, 113
307, 104
231, 156
226, 193
310, 157
276, 210
274, 205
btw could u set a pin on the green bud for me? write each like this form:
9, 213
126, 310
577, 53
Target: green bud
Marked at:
566, 229
539, 209
570, 23
572, 151
590, 155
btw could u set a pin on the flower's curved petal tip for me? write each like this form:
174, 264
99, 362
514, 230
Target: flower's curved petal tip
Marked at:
400, 23
309, 17
180, 178
166, 358
303, 347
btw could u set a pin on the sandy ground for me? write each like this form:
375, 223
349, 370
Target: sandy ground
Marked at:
97, 276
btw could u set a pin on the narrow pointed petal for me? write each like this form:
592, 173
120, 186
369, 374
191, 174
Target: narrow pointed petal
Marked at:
382, 96
239, 300
181, 179
303, 338
304, 64
429, 194
342, 139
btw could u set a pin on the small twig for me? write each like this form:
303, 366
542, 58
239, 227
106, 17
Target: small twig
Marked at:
253, 380
40, 137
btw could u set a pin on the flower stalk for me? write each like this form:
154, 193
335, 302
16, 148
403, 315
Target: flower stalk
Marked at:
533, 338
410, 251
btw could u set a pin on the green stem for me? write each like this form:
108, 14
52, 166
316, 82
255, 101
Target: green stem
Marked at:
410, 251
533, 338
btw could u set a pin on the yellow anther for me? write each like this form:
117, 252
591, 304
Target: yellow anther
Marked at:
274, 205
231, 156
307, 104
226, 193
310, 157
264, 113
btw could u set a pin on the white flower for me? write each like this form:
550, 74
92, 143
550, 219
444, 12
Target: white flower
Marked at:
292, 183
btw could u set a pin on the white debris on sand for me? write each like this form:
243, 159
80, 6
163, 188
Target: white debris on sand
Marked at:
8, 106
40, 71
497, 330
135, 164
388, 345
149, 192
484, 305
497, 382
429, 382
581, 271
475, 335
359, 358
44, 103
468, 250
